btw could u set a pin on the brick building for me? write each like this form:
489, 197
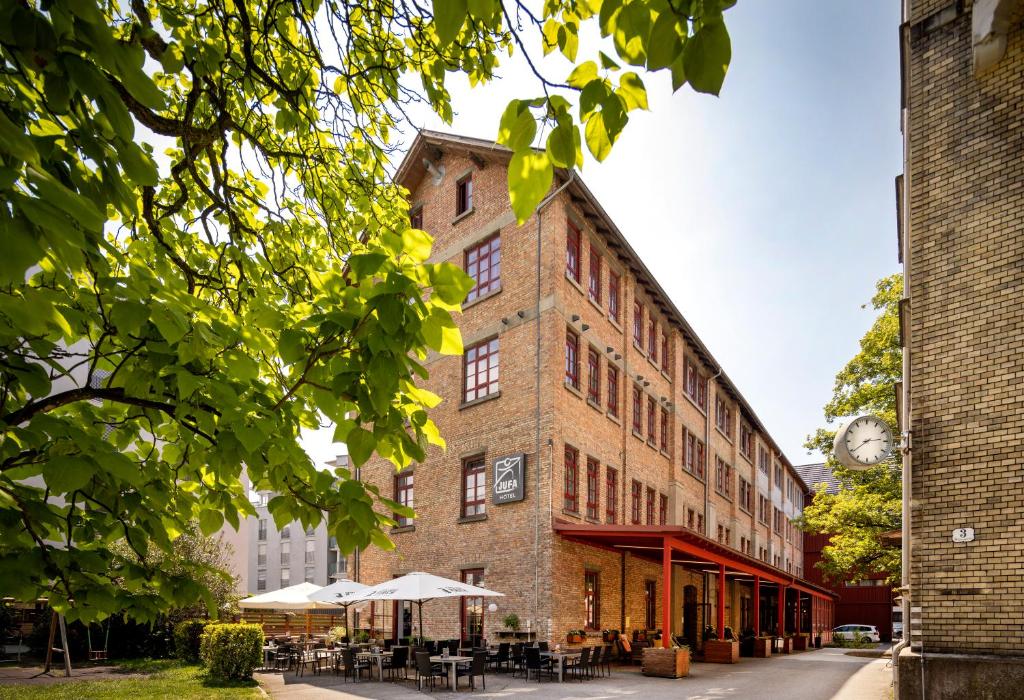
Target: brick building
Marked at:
866, 602
962, 243
648, 482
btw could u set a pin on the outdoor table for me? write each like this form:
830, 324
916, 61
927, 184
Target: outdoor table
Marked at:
377, 657
559, 657
451, 662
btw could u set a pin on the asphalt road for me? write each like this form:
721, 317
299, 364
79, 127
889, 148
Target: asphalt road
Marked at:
815, 675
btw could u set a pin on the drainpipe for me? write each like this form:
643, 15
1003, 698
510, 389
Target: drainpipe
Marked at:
906, 487
537, 387
707, 448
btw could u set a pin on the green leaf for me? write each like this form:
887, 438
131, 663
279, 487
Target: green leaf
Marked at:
665, 43
607, 62
21, 250
678, 72
450, 283
291, 345
139, 166
518, 127
449, 16
360, 444
529, 179
416, 244
366, 264
632, 91
15, 142
706, 57
128, 316
64, 474
210, 521
582, 74
170, 322
75, 205
441, 333
563, 145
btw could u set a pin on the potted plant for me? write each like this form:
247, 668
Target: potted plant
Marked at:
511, 622
574, 636
667, 663
800, 642
720, 651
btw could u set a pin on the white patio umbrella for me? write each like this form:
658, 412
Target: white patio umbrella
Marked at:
418, 588
291, 598
335, 593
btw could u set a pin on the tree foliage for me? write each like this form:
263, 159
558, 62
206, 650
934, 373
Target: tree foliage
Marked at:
203, 253
868, 504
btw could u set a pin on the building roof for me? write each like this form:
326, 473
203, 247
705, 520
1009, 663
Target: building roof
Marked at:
428, 147
819, 473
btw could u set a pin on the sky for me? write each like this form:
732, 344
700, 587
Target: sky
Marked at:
767, 214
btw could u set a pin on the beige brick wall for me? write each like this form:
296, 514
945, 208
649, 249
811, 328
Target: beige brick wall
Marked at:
966, 262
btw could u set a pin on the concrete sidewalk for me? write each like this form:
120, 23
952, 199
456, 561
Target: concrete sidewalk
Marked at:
813, 675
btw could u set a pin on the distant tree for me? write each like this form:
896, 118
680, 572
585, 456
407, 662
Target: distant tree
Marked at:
202, 252
868, 503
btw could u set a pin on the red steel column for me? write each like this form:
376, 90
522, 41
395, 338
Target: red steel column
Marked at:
757, 606
781, 619
721, 601
666, 594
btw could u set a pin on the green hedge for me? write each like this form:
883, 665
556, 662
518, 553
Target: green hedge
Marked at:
186, 639
232, 652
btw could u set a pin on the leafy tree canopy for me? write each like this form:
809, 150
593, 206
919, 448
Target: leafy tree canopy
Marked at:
868, 503
203, 252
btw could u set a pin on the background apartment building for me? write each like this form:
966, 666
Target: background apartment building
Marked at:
578, 364
962, 243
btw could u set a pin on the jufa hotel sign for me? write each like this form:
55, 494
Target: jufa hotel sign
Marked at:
509, 479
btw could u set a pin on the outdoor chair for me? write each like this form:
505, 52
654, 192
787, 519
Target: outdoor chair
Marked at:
283, 658
626, 652
352, 666
431, 647
476, 667
306, 659
543, 646
606, 660
397, 662
428, 671
594, 667
517, 658
501, 657
578, 666
535, 663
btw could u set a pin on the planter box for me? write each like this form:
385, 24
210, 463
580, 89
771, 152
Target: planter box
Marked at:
762, 647
800, 643
666, 663
787, 645
721, 651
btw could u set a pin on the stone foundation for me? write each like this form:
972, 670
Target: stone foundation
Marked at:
956, 676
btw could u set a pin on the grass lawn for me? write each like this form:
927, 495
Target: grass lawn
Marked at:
166, 679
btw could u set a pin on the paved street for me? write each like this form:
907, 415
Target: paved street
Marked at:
815, 675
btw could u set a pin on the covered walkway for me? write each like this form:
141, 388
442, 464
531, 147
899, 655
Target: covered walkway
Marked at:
800, 606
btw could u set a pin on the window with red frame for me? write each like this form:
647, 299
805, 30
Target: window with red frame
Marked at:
723, 416
746, 441
746, 495
662, 509
650, 506
611, 495
416, 218
481, 370
483, 264
613, 390
572, 252
700, 523
702, 460
723, 477
691, 518
572, 479
472, 613
638, 324
664, 351
702, 393
464, 195
651, 420
664, 430
635, 499
778, 520
613, 296
638, 411
572, 359
474, 488
593, 495
594, 283
652, 339
592, 600
696, 385
404, 495
594, 376
651, 605
764, 462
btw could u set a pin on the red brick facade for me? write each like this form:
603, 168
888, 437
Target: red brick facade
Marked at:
541, 574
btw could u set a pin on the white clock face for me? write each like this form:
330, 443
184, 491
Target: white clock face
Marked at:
868, 440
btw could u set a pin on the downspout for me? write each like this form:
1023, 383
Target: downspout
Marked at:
905, 447
537, 359
707, 475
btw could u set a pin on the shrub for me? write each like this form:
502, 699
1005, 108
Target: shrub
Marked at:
232, 652
187, 634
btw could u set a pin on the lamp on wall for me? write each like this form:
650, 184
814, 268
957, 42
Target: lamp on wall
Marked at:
574, 318
493, 607
609, 349
618, 356
584, 328
521, 313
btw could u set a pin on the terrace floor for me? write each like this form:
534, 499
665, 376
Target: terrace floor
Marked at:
813, 675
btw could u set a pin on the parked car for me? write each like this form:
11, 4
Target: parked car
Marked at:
852, 631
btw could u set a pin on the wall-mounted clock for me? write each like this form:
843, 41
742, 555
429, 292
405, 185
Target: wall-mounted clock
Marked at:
863, 442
